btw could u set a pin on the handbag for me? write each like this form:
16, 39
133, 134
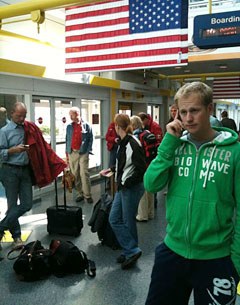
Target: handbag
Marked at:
66, 258
32, 263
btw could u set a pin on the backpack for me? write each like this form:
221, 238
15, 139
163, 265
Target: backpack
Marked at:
149, 143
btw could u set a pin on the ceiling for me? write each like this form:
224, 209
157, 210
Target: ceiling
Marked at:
197, 66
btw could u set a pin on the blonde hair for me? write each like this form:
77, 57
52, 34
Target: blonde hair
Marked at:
202, 90
136, 122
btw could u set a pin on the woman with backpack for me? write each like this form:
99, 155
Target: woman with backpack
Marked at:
130, 168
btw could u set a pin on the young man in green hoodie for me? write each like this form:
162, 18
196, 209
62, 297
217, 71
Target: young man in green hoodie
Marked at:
201, 167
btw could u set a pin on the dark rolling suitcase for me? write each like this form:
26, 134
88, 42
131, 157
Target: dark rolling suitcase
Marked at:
63, 219
99, 219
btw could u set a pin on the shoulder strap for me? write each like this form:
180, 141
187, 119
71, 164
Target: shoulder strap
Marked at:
15, 250
91, 267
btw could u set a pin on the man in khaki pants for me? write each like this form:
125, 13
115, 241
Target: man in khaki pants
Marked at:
79, 139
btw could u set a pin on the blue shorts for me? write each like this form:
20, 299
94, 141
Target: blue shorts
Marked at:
174, 278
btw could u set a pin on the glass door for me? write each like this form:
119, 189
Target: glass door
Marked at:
90, 112
51, 115
62, 119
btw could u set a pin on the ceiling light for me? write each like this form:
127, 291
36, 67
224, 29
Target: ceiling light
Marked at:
222, 66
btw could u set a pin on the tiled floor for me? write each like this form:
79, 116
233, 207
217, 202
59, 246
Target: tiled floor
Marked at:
111, 286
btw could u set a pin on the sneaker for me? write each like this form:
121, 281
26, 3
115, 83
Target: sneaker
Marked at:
79, 198
138, 219
130, 262
17, 243
89, 200
120, 259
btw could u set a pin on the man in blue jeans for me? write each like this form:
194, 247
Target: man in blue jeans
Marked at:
16, 172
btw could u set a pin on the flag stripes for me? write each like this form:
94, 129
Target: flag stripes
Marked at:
99, 38
226, 87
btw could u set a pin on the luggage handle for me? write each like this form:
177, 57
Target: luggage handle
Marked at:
56, 192
64, 193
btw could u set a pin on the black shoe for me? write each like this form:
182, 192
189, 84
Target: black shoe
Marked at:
121, 259
129, 262
79, 199
89, 200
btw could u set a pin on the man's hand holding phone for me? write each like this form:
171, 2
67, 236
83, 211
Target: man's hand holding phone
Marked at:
175, 127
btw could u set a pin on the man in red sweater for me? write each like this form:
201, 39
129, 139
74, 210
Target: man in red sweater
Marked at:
152, 126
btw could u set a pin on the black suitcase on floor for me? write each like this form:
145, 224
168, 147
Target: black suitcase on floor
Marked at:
63, 219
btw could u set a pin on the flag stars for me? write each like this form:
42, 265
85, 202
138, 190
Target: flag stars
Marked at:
153, 15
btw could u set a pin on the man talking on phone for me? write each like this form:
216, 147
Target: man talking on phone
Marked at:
201, 250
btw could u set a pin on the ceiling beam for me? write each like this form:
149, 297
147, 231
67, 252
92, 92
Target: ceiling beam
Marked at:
24, 8
205, 75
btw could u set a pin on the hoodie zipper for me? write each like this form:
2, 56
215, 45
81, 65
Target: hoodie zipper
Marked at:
187, 237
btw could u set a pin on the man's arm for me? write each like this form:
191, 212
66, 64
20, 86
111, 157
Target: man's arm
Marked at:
235, 247
157, 174
5, 150
90, 138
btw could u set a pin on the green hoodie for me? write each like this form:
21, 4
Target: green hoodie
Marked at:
203, 199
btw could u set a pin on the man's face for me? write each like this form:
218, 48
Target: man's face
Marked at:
74, 116
145, 122
19, 115
173, 112
195, 116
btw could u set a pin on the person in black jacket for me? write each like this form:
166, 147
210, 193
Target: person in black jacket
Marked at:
227, 122
130, 168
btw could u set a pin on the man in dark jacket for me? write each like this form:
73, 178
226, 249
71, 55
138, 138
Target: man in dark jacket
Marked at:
227, 122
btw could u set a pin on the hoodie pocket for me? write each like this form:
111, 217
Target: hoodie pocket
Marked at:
211, 223
176, 215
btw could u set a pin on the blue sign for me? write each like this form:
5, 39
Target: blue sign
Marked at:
217, 30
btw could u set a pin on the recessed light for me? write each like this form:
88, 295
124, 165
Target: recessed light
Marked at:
222, 66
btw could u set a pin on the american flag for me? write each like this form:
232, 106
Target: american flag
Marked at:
126, 34
226, 87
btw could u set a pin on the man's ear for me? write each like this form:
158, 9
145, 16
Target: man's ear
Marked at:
210, 108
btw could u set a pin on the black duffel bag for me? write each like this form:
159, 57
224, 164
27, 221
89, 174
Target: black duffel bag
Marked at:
66, 259
32, 263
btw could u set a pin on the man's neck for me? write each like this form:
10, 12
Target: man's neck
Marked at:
204, 138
